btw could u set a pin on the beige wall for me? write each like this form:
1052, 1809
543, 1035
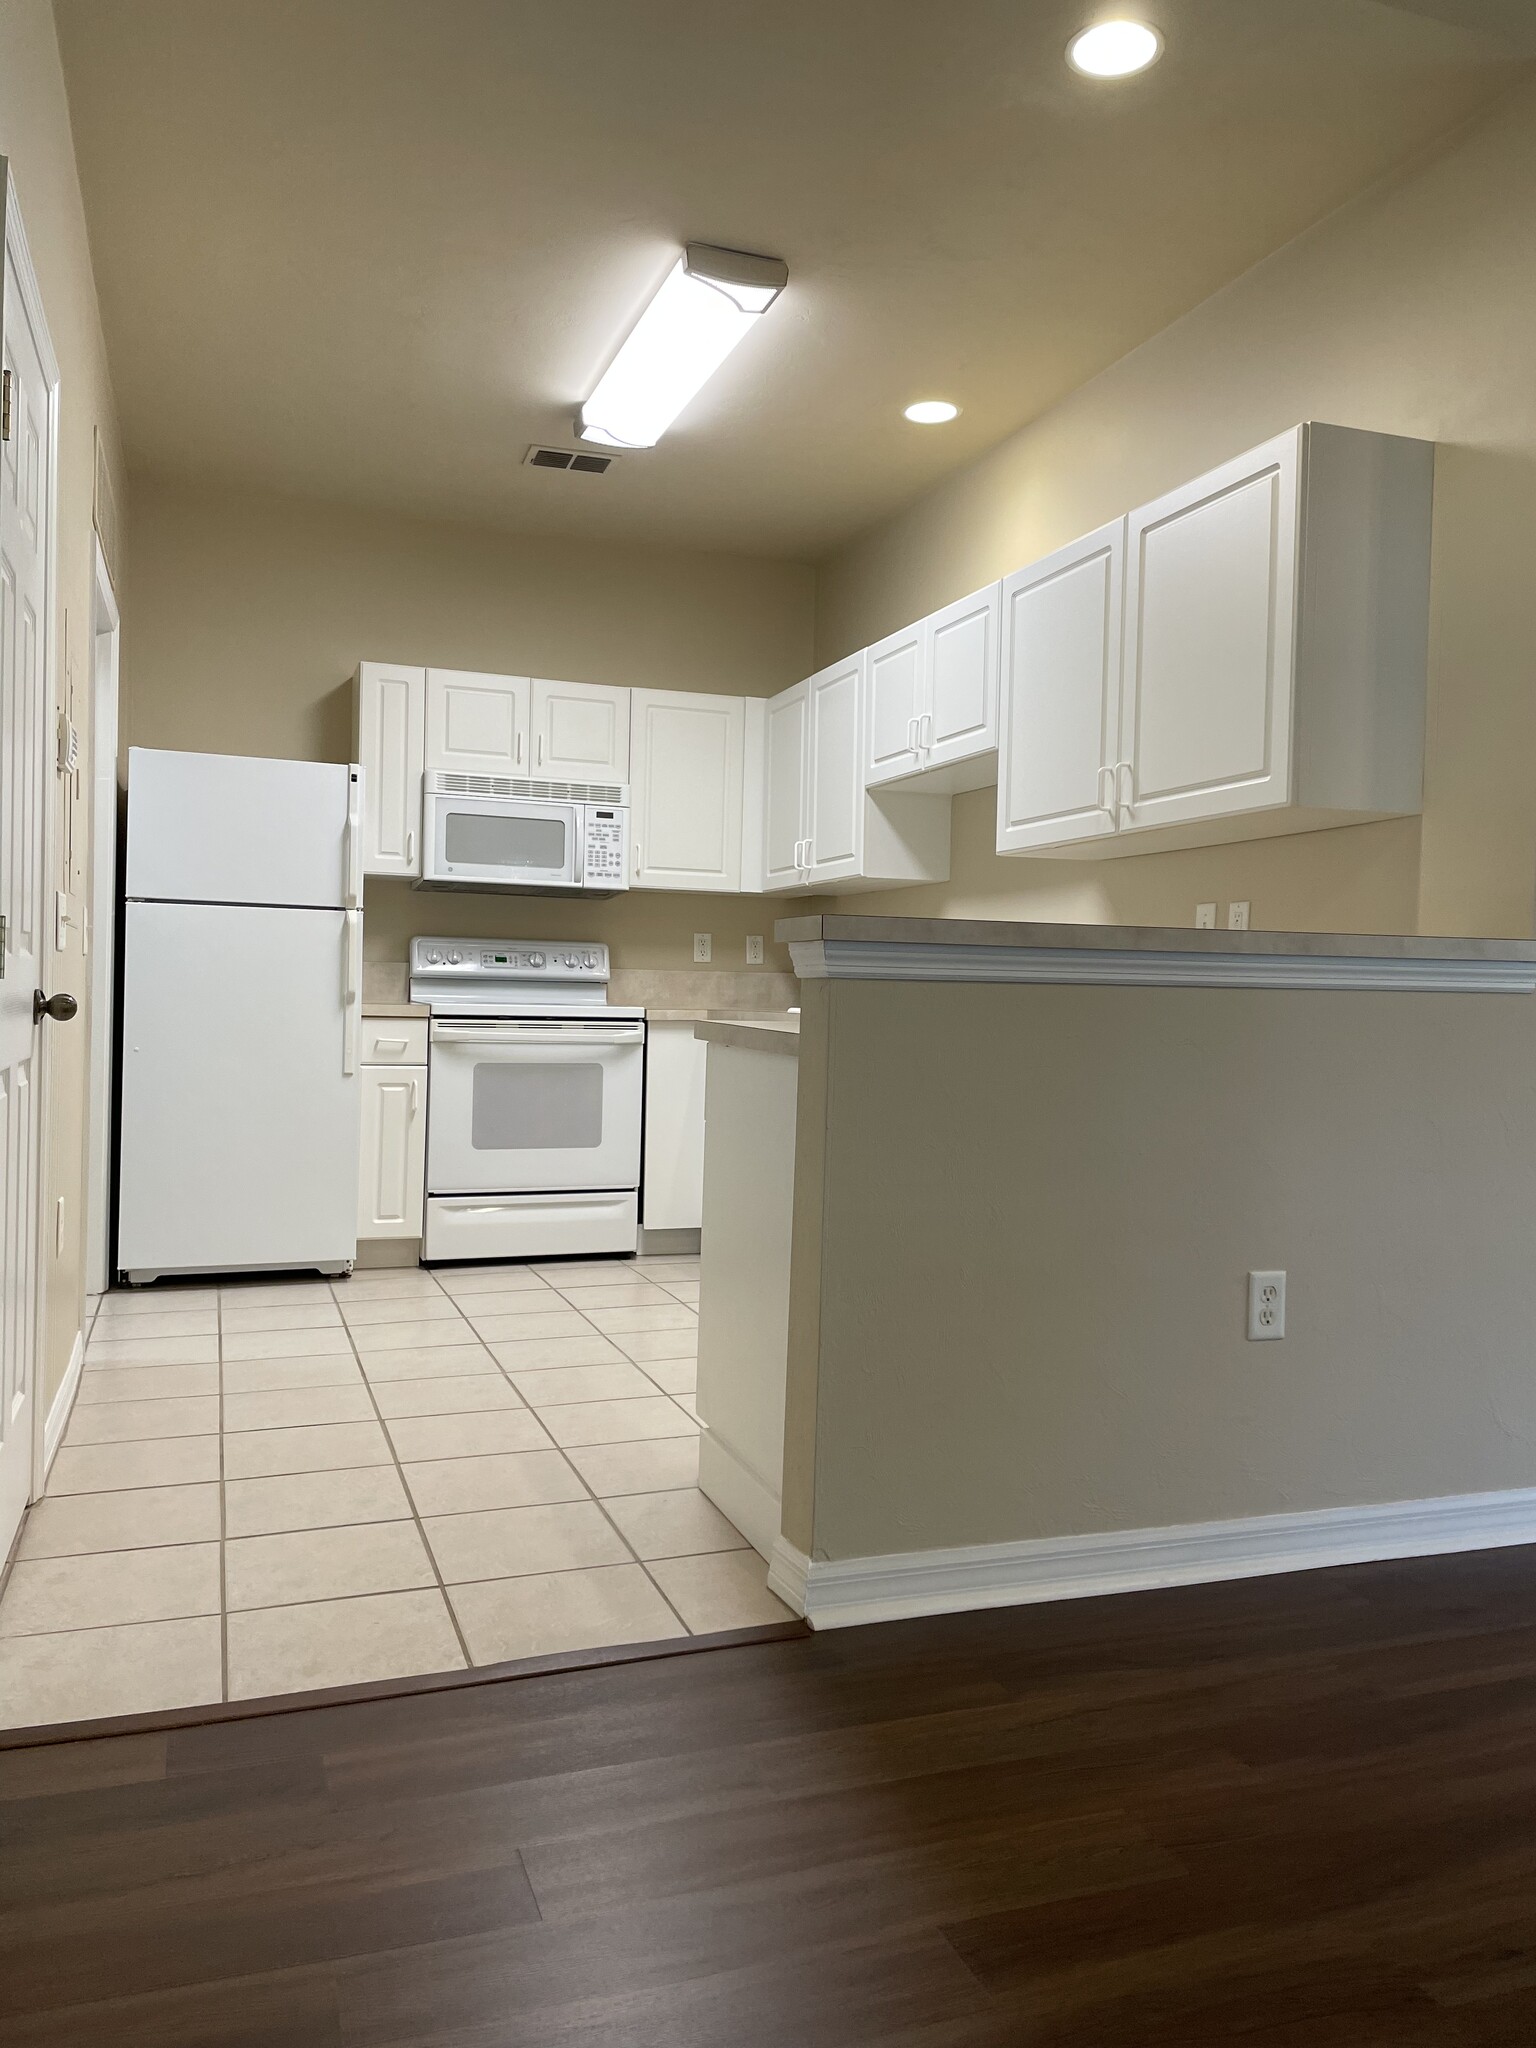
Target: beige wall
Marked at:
35, 136
1034, 1324
251, 613
1413, 311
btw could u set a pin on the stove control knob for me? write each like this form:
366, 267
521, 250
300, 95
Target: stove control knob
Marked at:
589, 959
434, 958
535, 959
455, 957
570, 960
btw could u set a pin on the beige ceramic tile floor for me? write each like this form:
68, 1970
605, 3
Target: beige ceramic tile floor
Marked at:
284, 1484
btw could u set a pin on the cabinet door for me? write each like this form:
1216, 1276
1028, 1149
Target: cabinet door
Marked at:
962, 663
477, 724
392, 1182
897, 700
1210, 630
391, 737
1061, 695
685, 777
580, 732
835, 820
672, 1197
784, 794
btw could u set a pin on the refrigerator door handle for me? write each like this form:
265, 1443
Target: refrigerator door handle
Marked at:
351, 977
354, 849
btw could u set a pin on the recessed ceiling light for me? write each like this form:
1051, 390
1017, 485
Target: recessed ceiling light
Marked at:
1114, 49
709, 301
932, 412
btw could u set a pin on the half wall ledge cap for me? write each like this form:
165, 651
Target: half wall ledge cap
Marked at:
968, 950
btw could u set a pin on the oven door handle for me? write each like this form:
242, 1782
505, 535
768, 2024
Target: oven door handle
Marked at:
446, 1035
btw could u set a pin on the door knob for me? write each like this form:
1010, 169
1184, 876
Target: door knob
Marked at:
60, 1008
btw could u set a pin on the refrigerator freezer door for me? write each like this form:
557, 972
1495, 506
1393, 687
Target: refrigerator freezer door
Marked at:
223, 828
239, 1123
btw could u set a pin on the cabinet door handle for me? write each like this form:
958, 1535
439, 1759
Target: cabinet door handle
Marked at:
517, 755
410, 849
1125, 795
638, 862
539, 752
925, 731
911, 735
1106, 773
415, 1095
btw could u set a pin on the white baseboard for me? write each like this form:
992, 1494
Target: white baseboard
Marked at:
63, 1403
738, 1493
837, 1592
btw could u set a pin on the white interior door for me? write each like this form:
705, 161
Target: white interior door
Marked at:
104, 790
1210, 632
1061, 695
26, 513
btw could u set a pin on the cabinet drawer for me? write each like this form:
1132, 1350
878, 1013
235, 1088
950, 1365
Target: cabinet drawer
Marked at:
394, 1042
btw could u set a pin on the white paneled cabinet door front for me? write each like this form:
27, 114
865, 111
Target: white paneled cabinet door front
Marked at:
1210, 628
1061, 695
784, 749
685, 777
391, 737
835, 821
580, 732
897, 700
477, 723
962, 662
392, 1182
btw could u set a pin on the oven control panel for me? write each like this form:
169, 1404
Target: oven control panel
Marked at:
490, 960
605, 857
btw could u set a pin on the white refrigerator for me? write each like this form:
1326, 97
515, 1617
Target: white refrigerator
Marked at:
241, 984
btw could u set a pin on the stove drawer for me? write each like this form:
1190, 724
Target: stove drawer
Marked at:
530, 1226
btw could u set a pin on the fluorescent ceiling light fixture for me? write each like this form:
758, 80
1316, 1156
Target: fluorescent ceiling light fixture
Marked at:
1114, 49
709, 301
932, 412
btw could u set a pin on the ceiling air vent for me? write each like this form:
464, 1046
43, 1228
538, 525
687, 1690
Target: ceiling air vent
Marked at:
568, 458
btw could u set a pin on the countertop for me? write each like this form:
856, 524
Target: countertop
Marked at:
776, 1033
395, 1009
1132, 938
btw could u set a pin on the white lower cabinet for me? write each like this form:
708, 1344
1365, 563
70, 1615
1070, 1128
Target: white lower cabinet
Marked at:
672, 1196
686, 769
393, 1176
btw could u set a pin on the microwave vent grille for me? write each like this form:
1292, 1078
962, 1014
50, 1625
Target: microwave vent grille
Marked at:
444, 783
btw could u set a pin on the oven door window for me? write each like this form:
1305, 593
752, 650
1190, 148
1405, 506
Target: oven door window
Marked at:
499, 839
536, 1106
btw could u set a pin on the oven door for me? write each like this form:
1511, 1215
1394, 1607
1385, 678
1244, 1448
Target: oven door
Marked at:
534, 1106
521, 844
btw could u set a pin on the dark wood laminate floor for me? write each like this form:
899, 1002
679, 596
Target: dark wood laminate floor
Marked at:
1289, 1811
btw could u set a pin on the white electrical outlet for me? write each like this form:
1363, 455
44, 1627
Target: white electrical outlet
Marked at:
703, 946
1205, 917
754, 952
1266, 1305
1237, 917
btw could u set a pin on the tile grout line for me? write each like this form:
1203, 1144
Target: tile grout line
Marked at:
613, 1525
416, 1521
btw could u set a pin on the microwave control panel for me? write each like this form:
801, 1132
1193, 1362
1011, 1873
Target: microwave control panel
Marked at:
605, 855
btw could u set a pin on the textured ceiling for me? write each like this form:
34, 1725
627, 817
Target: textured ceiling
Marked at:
370, 249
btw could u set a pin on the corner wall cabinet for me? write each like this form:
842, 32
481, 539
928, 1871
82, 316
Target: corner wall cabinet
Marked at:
1246, 656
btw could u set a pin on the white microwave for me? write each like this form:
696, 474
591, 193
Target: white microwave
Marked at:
504, 832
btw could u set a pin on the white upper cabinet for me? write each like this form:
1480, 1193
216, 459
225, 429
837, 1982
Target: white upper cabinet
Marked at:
897, 701
390, 729
685, 775
835, 816
785, 760
580, 732
1272, 657
1210, 630
963, 664
932, 696
477, 724
1061, 715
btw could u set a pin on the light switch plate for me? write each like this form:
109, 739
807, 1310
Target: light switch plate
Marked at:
1205, 917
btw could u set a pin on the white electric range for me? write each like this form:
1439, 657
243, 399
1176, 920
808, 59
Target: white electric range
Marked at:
535, 1088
